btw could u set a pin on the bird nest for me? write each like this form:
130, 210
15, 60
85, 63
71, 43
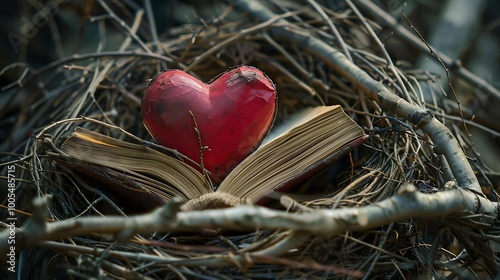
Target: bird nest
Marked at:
408, 201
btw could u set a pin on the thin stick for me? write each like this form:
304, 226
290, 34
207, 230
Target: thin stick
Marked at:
202, 148
232, 39
447, 75
152, 23
79, 57
130, 30
382, 48
332, 27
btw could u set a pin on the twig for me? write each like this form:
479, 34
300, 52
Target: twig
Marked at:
130, 30
382, 48
305, 74
202, 149
79, 57
299, 82
235, 37
99, 76
471, 123
332, 27
152, 23
447, 74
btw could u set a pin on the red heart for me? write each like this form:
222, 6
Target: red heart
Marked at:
233, 114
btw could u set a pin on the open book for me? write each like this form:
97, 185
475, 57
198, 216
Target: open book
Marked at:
310, 141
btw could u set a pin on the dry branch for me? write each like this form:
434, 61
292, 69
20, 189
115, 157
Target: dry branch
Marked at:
321, 222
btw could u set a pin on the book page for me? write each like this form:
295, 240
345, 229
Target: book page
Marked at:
294, 120
315, 135
157, 172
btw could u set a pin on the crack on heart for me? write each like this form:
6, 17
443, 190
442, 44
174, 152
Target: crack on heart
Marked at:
249, 76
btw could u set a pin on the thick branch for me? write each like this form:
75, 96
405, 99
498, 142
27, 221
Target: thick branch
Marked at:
441, 136
320, 222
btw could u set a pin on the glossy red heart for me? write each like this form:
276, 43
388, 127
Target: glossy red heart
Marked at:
233, 114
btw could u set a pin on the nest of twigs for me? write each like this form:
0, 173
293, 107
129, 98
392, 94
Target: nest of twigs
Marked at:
400, 157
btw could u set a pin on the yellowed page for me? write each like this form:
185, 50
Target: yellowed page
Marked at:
162, 174
315, 135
